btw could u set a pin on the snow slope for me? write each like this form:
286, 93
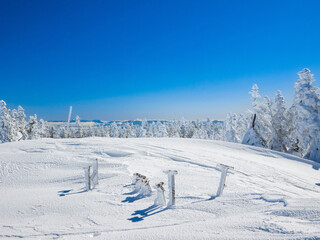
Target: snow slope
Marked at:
269, 195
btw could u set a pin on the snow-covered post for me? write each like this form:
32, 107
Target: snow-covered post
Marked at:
138, 180
135, 178
87, 177
97, 172
69, 118
224, 171
146, 188
160, 199
171, 185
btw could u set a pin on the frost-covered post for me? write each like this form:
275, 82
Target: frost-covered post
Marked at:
87, 177
146, 188
224, 171
160, 199
69, 118
135, 178
97, 172
171, 186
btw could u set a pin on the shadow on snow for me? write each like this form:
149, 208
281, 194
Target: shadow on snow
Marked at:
69, 192
147, 212
205, 200
133, 199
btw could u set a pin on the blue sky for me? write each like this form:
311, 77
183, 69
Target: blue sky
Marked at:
117, 60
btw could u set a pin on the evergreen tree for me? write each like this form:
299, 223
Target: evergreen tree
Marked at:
79, 129
114, 130
305, 113
33, 128
260, 131
8, 130
43, 128
230, 128
280, 128
15, 134
242, 126
22, 123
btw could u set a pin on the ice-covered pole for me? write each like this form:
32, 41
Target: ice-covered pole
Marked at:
171, 186
97, 171
69, 118
224, 171
87, 177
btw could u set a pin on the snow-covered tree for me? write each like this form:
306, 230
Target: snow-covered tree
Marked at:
242, 126
260, 131
161, 130
114, 130
304, 113
230, 128
43, 129
22, 123
9, 131
280, 127
15, 135
33, 128
313, 152
79, 129
218, 129
186, 129
173, 129
252, 136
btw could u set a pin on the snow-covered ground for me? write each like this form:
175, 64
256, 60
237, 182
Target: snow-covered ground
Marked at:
269, 195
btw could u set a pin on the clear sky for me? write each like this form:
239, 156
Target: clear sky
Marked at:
118, 60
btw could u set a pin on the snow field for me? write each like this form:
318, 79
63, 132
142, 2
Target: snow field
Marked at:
269, 195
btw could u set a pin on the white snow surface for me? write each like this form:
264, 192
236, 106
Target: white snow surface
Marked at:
268, 195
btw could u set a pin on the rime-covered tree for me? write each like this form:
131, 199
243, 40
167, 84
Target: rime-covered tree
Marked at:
8, 126
161, 130
33, 128
79, 129
230, 128
22, 123
114, 130
141, 131
173, 129
15, 134
186, 130
313, 152
304, 113
218, 129
260, 131
43, 129
242, 126
280, 128
208, 127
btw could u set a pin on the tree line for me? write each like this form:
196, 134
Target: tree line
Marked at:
270, 123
